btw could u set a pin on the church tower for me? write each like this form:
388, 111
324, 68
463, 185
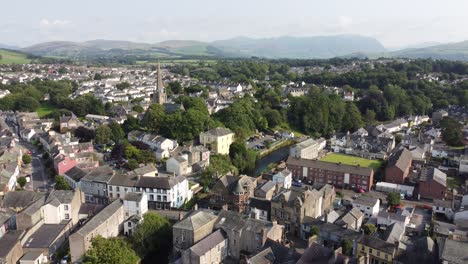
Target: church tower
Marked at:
160, 95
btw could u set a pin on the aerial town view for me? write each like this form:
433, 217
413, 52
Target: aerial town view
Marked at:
252, 132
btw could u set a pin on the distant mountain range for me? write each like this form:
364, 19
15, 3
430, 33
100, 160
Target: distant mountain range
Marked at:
282, 47
320, 47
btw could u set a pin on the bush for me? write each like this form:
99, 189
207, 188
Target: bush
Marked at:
27, 159
21, 181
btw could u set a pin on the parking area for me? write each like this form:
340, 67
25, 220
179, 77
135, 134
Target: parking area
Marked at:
258, 142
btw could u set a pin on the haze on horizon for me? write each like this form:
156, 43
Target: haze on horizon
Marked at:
395, 23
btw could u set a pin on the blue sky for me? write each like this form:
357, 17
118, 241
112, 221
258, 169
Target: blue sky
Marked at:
395, 23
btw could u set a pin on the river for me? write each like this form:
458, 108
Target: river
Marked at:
274, 157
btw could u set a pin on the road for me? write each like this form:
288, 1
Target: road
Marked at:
39, 177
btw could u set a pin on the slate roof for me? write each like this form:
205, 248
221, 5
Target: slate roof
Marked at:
219, 131
209, 242
121, 179
58, 197
343, 168
436, 175
195, 220
265, 256
400, 159
145, 169
20, 199
455, 251
100, 217
366, 200
31, 256
393, 232
133, 196
377, 243
100, 174
45, 235
231, 220
341, 232
8, 241
350, 218
260, 204
76, 173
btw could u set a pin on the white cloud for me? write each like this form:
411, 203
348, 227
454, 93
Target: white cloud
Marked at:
47, 23
345, 22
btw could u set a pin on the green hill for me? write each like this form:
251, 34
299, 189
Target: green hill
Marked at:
13, 57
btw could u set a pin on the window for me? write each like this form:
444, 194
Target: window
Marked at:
370, 250
378, 253
159, 197
110, 188
129, 224
118, 195
151, 198
65, 207
117, 188
67, 216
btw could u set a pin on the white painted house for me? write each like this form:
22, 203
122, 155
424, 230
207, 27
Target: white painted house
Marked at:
135, 206
284, 177
367, 205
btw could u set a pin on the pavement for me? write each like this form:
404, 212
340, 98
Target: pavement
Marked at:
39, 177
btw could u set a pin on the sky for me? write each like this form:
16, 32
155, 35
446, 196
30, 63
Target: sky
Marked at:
395, 23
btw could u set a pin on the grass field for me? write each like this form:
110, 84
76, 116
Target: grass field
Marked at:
44, 110
352, 160
11, 57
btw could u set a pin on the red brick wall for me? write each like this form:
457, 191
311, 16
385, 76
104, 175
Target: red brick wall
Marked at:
432, 189
395, 175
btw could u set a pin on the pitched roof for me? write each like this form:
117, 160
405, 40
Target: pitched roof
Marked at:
133, 196
100, 174
265, 256
400, 159
8, 241
195, 220
45, 235
261, 204
351, 217
209, 242
76, 173
436, 175
219, 131
20, 199
455, 251
337, 167
378, 244
366, 200
145, 169
121, 179
57, 197
100, 217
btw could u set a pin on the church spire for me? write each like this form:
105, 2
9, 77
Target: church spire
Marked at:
160, 96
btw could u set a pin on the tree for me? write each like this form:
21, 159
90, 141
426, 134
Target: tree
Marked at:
369, 229
153, 117
111, 250
174, 88
97, 76
315, 231
123, 85
84, 134
26, 159
244, 159
452, 131
393, 199
138, 109
352, 120
132, 164
347, 247
103, 134
130, 124
152, 238
369, 117
61, 183
117, 132
21, 181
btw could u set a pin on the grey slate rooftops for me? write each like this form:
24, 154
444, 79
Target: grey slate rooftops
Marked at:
57, 197
8, 241
195, 220
100, 174
20, 199
343, 168
45, 235
145, 169
101, 217
134, 197
209, 242
219, 131
455, 251
436, 175
400, 159
377, 243
366, 200
120, 179
76, 173
260, 204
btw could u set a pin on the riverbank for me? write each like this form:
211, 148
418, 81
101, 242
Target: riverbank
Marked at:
276, 146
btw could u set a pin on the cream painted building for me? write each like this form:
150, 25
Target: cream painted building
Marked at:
218, 140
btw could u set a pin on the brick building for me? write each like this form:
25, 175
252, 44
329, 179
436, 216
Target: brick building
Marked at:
398, 166
340, 175
433, 184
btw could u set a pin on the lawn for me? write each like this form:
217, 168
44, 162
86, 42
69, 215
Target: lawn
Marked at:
44, 110
454, 182
11, 57
352, 160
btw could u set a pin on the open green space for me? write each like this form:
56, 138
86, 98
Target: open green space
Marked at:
454, 182
11, 57
44, 110
352, 160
